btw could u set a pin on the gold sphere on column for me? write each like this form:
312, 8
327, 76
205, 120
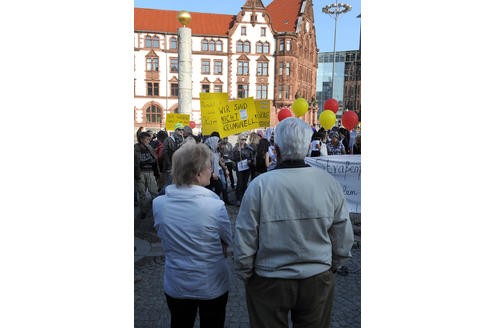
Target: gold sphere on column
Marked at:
184, 17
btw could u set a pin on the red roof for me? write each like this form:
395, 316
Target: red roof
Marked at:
284, 14
155, 20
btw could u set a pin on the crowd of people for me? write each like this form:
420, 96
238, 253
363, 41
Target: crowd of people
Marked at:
188, 177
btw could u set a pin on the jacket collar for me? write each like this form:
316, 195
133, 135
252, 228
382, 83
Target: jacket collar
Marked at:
290, 164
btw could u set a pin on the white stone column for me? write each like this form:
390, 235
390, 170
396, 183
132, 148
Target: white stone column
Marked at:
185, 70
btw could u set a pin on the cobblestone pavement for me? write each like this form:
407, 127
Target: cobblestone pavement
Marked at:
150, 308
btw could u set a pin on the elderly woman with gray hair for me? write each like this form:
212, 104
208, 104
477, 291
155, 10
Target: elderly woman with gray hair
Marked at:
195, 230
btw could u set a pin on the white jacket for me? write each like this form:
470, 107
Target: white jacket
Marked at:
192, 222
293, 223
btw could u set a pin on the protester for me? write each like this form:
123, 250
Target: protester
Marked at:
315, 144
356, 148
216, 184
272, 152
195, 231
253, 140
262, 156
170, 145
335, 147
345, 139
226, 151
244, 155
324, 137
145, 172
291, 234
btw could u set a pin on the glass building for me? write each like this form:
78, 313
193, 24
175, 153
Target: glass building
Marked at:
345, 62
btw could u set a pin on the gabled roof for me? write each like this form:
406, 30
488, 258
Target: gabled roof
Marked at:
154, 20
284, 14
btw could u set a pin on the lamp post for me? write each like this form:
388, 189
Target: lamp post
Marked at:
334, 10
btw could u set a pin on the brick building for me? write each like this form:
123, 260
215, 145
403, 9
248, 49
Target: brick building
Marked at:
262, 52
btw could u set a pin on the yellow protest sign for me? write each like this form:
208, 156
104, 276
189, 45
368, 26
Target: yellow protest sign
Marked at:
237, 116
262, 113
210, 104
172, 119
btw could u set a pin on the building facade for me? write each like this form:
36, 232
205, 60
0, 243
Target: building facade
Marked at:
347, 87
261, 52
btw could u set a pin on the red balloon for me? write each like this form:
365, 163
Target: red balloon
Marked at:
192, 124
283, 114
331, 104
350, 120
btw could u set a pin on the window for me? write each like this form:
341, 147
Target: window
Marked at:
266, 48
262, 91
247, 46
242, 90
288, 45
156, 42
219, 45
151, 64
217, 88
281, 45
262, 68
174, 89
204, 45
263, 31
242, 68
205, 88
212, 45
217, 67
147, 42
152, 89
173, 42
259, 47
287, 89
174, 65
281, 68
153, 114
287, 69
243, 30
205, 66
240, 46
280, 90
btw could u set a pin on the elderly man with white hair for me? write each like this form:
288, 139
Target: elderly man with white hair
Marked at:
291, 234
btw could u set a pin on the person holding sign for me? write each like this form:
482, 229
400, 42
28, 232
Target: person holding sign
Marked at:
291, 235
244, 155
195, 231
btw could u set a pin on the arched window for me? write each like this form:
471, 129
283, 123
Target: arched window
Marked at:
156, 42
204, 45
239, 46
153, 114
212, 45
259, 47
173, 42
247, 47
147, 43
219, 45
266, 48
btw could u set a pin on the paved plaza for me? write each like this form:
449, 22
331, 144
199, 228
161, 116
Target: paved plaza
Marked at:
150, 308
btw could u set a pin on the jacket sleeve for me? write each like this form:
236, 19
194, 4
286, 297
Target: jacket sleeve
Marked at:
246, 235
225, 228
341, 234
167, 149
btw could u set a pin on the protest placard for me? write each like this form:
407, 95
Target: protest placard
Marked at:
172, 119
210, 103
346, 169
262, 115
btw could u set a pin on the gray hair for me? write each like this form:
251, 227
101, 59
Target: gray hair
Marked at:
293, 138
188, 161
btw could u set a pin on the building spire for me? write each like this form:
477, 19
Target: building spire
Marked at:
253, 4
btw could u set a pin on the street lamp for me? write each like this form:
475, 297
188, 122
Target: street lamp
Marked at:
334, 10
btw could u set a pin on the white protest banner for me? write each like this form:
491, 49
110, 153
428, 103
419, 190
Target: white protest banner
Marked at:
346, 169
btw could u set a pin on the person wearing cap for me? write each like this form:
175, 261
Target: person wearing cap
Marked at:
170, 145
335, 146
292, 233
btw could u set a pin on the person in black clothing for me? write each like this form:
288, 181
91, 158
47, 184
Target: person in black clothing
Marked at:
145, 172
243, 154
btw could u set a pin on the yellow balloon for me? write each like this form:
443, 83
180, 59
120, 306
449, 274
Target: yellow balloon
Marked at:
300, 106
327, 119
